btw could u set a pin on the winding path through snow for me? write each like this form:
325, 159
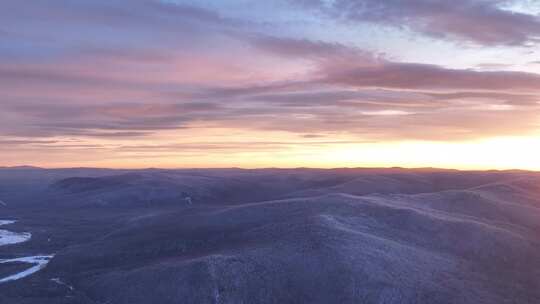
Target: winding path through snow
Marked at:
9, 237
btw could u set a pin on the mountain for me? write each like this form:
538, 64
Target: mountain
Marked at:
279, 236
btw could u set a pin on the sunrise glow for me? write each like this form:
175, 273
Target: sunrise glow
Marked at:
278, 84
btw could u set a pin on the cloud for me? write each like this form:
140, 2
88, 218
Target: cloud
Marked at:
227, 146
113, 120
507, 98
308, 49
483, 22
25, 142
428, 76
113, 13
338, 64
104, 71
346, 90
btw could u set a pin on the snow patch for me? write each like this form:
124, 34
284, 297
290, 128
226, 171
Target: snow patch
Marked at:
9, 237
39, 261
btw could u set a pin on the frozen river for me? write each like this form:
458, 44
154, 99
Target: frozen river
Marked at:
8, 238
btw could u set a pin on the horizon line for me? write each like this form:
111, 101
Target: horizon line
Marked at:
30, 167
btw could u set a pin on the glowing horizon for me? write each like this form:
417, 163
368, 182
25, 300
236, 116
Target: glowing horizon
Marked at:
471, 155
326, 84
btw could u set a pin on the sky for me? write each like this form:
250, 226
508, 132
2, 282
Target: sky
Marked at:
282, 83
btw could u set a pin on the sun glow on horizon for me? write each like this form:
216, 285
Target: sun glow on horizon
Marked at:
499, 153
486, 154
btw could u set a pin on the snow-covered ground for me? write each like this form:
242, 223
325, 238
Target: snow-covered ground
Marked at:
39, 261
9, 237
